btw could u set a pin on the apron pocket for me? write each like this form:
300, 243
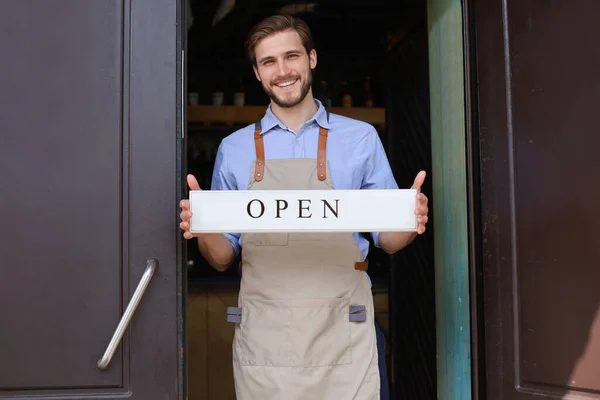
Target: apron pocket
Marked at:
294, 333
264, 335
321, 335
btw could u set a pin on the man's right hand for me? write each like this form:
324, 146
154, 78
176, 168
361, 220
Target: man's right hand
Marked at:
186, 214
215, 247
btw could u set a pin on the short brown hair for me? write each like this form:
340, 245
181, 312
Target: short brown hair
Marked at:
276, 24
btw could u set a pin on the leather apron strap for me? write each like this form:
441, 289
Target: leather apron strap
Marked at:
259, 171
260, 153
321, 154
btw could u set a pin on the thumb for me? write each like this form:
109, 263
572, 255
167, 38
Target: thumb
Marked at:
419, 180
192, 182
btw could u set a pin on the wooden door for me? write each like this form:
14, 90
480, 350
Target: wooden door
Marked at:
539, 106
88, 171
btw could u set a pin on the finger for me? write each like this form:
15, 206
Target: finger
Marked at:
423, 219
188, 235
184, 226
184, 204
186, 215
422, 198
423, 210
192, 182
419, 179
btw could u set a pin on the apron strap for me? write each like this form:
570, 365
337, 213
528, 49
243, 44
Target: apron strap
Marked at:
321, 155
361, 265
260, 153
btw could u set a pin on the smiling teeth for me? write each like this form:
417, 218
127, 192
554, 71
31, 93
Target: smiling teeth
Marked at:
286, 84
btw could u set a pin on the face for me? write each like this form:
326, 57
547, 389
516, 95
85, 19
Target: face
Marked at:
284, 68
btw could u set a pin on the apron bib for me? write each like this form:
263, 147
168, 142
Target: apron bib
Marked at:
305, 327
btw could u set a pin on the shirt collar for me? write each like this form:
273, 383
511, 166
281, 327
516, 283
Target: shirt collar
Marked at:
270, 120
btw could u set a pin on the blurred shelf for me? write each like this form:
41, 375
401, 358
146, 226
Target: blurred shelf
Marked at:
208, 114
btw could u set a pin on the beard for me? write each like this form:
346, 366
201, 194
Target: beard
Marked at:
290, 101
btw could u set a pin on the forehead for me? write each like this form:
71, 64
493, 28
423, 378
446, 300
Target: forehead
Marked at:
278, 43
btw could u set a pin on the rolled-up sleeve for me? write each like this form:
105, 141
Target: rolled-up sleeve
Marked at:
378, 172
222, 179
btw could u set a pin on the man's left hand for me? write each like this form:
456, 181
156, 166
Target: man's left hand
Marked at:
422, 201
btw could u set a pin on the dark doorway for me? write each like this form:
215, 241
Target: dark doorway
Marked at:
382, 41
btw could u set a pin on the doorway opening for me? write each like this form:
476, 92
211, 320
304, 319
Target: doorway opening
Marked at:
372, 66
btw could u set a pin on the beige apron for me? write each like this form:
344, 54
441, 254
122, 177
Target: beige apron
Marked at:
305, 327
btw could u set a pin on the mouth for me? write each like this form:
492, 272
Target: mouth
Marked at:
286, 83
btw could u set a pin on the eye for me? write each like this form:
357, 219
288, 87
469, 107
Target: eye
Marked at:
293, 56
268, 62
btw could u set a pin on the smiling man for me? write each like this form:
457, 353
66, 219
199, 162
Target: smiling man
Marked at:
305, 321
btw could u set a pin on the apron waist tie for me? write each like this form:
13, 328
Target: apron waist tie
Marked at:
355, 314
234, 314
359, 265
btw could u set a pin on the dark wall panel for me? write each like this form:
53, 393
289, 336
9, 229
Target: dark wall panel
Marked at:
412, 299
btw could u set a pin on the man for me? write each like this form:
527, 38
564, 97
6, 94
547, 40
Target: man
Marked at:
305, 326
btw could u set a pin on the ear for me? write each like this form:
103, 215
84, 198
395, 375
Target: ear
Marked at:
256, 72
313, 58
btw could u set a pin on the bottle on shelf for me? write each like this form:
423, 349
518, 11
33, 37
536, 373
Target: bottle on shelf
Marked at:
193, 98
239, 97
218, 95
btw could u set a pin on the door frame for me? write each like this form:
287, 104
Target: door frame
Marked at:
181, 95
454, 198
455, 203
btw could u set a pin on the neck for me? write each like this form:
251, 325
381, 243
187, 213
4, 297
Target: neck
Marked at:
295, 117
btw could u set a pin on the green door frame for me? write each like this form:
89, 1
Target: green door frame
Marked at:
449, 116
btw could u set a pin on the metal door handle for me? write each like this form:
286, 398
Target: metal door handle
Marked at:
151, 265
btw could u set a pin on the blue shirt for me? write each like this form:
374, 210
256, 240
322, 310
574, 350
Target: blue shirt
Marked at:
354, 150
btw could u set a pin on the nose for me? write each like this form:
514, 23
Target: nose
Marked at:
283, 68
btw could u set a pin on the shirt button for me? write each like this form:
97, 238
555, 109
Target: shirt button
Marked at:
297, 139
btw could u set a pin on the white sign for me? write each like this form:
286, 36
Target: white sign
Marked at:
239, 211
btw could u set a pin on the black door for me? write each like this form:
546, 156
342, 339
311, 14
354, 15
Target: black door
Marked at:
89, 145
539, 97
